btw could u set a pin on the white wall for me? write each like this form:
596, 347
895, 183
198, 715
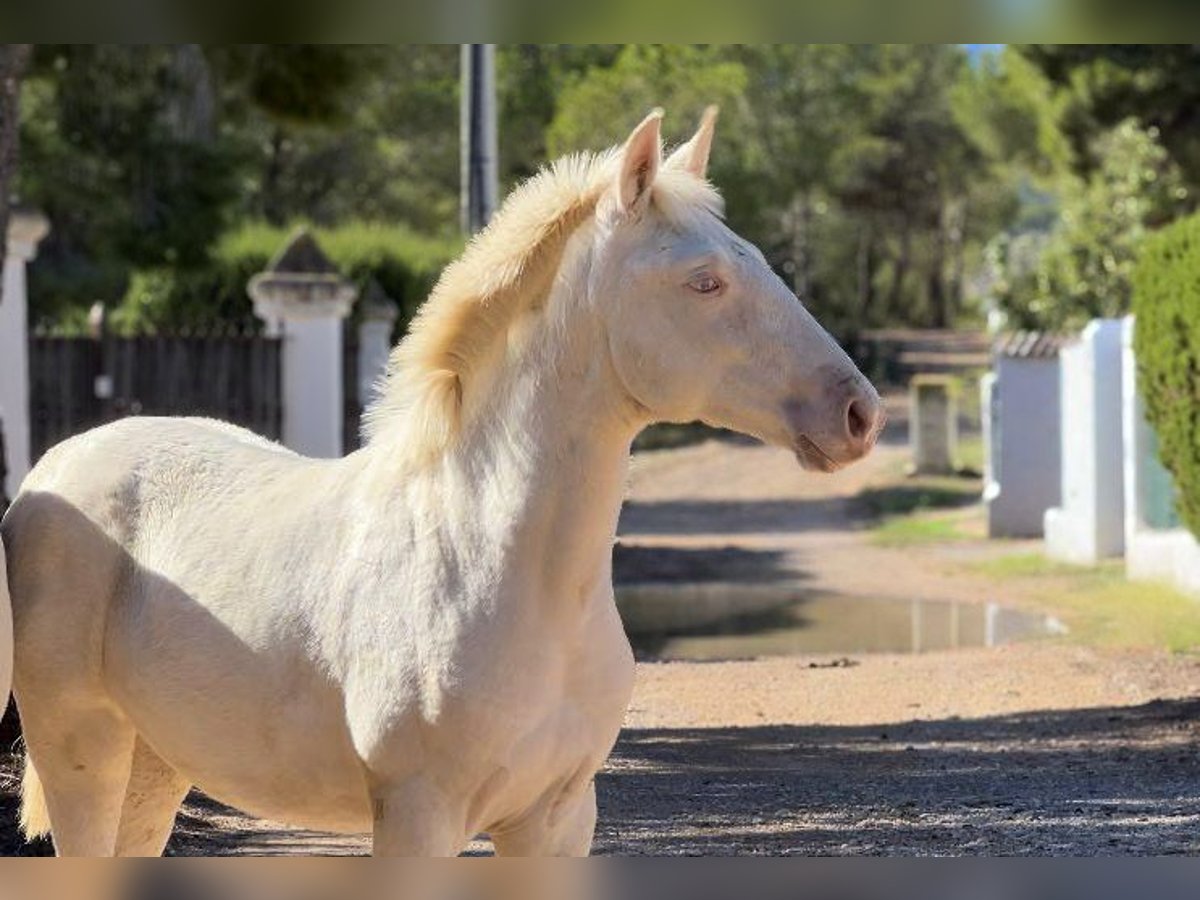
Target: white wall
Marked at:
1090, 523
1022, 446
1166, 554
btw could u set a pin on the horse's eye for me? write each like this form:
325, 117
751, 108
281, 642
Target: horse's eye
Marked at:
705, 284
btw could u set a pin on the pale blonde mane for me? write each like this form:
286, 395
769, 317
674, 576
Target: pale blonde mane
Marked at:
506, 269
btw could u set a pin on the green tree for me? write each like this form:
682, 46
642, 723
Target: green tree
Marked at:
1084, 267
1102, 85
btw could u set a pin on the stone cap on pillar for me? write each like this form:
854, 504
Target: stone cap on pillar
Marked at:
376, 306
301, 283
26, 228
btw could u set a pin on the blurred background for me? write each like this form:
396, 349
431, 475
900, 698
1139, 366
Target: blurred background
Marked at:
892, 185
981, 639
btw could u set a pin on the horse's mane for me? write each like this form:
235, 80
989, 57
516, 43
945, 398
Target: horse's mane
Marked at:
506, 269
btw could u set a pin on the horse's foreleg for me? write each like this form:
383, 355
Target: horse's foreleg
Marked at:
415, 818
151, 801
562, 828
82, 756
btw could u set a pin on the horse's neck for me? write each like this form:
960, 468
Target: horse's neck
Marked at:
551, 449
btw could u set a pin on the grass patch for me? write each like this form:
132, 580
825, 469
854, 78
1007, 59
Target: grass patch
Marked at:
902, 531
1025, 565
916, 495
907, 511
970, 453
1103, 608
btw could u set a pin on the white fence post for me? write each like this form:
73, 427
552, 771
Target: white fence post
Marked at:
933, 428
1090, 524
379, 315
25, 232
1022, 434
302, 289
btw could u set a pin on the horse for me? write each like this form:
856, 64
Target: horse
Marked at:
418, 640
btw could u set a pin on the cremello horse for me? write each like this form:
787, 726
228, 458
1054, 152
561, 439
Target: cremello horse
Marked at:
419, 639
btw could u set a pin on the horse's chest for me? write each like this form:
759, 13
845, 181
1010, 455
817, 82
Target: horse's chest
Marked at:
541, 725
546, 755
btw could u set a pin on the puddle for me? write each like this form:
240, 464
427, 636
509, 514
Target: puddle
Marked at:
747, 625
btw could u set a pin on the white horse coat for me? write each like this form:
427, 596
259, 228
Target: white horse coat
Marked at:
420, 639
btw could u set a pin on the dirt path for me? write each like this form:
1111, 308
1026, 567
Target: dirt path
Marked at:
1037, 748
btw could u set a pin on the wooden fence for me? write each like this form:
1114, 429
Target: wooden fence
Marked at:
77, 383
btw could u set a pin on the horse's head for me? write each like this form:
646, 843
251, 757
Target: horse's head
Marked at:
699, 325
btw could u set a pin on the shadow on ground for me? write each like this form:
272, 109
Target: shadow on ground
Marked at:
699, 564
731, 516
1097, 781
1119, 780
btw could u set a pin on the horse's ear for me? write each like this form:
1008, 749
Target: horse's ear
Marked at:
693, 156
640, 159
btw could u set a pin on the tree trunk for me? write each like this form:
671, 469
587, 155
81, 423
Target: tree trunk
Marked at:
866, 277
13, 60
271, 207
191, 106
939, 315
802, 246
958, 253
900, 272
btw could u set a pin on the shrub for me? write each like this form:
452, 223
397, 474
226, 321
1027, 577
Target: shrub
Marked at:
1167, 343
404, 263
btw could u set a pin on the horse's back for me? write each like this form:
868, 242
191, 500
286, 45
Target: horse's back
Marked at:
72, 534
112, 473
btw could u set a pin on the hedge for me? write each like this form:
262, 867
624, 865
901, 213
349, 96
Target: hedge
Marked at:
404, 263
1166, 300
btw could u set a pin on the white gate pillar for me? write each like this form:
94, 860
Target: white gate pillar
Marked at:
303, 290
1090, 524
379, 315
25, 232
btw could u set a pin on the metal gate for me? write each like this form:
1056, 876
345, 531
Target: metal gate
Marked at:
77, 383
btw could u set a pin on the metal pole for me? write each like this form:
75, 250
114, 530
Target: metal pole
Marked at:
478, 136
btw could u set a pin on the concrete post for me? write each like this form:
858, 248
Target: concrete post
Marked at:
379, 313
303, 290
934, 425
25, 232
1090, 524
1022, 434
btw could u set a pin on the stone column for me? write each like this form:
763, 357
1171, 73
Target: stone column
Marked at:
25, 232
379, 313
1090, 524
933, 424
302, 290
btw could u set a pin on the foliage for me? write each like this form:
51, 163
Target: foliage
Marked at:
1082, 269
873, 176
107, 158
1101, 85
1167, 344
403, 263
849, 165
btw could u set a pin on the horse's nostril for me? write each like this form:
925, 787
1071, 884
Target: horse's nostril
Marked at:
858, 420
